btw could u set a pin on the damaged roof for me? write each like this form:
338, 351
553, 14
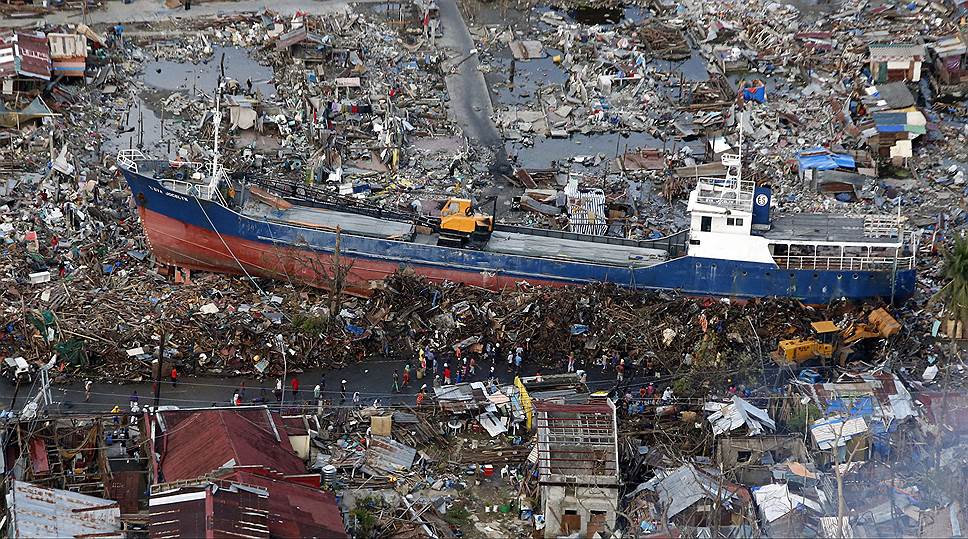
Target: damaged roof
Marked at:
231, 509
197, 442
877, 395
49, 512
296, 510
679, 489
577, 442
776, 500
387, 454
731, 416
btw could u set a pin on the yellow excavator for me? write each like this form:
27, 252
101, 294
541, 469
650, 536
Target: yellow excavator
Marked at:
829, 339
462, 226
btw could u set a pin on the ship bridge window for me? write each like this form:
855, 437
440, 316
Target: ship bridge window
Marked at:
802, 250
828, 250
734, 221
780, 249
706, 225
855, 251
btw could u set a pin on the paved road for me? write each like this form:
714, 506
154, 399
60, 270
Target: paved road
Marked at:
372, 379
470, 101
155, 11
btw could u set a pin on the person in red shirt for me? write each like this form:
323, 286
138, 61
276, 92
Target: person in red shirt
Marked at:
295, 387
174, 377
446, 374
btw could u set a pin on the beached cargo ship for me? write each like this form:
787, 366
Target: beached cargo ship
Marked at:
196, 218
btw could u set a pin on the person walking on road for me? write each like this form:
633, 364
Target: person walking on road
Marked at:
174, 377
317, 393
295, 388
406, 376
571, 362
342, 391
87, 390
396, 381
446, 374
277, 392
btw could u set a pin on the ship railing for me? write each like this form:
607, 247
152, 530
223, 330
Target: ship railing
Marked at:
128, 159
726, 192
845, 263
197, 190
882, 226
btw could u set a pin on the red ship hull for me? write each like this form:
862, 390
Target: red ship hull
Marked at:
176, 243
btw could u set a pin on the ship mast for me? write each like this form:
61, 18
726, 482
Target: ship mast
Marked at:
217, 120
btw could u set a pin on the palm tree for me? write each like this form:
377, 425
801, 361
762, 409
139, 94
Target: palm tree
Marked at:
955, 292
955, 296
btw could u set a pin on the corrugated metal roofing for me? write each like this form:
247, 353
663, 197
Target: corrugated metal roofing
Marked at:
233, 510
830, 432
684, 486
389, 455
885, 51
47, 512
198, 442
297, 510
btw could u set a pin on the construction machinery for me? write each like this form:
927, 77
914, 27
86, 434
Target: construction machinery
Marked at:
462, 226
830, 340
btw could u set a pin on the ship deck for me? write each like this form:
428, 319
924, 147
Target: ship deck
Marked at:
513, 243
806, 227
350, 223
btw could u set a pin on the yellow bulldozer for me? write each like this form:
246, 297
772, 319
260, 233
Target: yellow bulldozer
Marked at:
461, 226
830, 340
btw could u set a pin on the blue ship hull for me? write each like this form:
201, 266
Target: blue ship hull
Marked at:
201, 234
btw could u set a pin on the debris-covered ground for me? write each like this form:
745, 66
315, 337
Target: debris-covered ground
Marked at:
554, 411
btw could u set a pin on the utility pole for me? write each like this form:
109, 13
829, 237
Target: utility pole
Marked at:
160, 360
285, 369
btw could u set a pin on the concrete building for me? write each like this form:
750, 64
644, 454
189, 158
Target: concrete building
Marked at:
578, 466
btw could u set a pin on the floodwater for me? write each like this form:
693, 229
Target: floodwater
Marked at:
530, 76
203, 77
141, 126
548, 151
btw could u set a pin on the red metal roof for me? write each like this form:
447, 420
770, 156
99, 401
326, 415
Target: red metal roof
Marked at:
201, 441
297, 510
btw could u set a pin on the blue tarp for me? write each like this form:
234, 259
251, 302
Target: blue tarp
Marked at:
822, 159
859, 406
755, 93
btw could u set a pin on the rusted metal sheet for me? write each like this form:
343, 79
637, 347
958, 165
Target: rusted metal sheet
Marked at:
38, 457
47, 512
125, 488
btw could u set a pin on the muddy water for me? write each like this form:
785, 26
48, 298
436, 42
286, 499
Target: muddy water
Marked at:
547, 151
141, 125
203, 77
